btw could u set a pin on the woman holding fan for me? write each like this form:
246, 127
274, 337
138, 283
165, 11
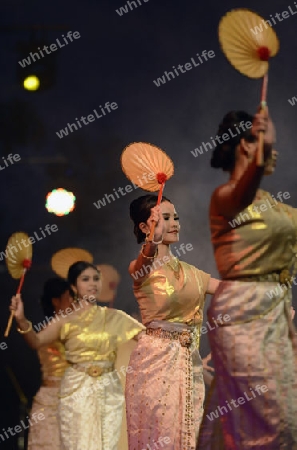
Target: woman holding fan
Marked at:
255, 250
165, 392
91, 397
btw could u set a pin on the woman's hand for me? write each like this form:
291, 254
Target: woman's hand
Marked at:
157, 217
17, 307
263, 122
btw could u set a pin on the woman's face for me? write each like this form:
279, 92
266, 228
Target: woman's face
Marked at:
171, 220
88, 284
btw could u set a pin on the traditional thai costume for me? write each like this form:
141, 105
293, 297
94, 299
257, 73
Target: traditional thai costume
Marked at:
254, 396
165, 392
91, 397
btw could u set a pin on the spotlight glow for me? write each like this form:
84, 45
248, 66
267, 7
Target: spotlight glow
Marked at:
31, 83
60, 202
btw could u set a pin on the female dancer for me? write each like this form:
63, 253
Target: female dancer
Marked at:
165, 393
45, 434
91, 398
254, 354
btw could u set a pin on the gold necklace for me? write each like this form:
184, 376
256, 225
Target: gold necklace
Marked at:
175, 267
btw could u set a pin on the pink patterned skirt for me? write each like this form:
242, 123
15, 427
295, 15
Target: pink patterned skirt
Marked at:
45, 434
165, 390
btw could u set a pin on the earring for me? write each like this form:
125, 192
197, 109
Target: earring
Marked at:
75, 298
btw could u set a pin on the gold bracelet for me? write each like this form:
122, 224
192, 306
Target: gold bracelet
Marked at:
158, 242
25, 331
147, 241
149, 257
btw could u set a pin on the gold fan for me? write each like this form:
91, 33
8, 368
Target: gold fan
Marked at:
110, 281
63, 259
18, 261
148, 167
248, 43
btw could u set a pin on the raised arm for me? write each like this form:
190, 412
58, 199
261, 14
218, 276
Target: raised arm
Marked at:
230, 199
138, 268
34, 340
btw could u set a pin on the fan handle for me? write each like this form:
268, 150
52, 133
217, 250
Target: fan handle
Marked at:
260, 153
158, 203
9, 323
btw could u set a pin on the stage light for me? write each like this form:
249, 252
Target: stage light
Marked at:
31, 83
33, 62
60, 202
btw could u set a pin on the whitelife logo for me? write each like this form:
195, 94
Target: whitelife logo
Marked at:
12, 249
53, 47
279, 16
125, 9
184, 68
9, 160
253, 211
221, 410
22, 426
123, 191
86, 120
157, 263
292, 101
221, 139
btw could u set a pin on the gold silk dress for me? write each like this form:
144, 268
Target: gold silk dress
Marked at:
45, 434
91, 397
253, 401
165, 392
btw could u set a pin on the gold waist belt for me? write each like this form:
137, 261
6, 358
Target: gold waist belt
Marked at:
184, 337
283, 276
93, 370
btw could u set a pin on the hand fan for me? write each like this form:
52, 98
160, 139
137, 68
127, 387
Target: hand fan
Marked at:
18, 261
248, 43
148, 167
63, 259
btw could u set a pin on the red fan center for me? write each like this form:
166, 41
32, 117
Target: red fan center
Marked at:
27, 263
161, 177
263, 53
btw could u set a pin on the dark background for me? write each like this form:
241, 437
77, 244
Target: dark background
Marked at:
116, 59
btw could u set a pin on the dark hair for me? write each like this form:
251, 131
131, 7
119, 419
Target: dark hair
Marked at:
53, 288
224, 154
140, 211
77, 268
